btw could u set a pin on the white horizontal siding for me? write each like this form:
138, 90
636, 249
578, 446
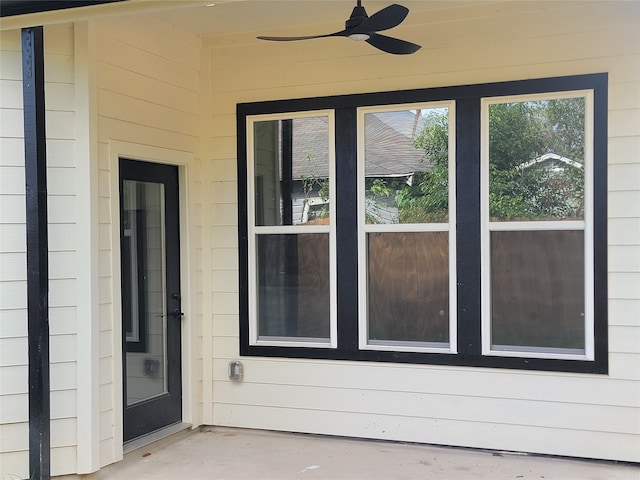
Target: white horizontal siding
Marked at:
621, 149
15, 408
13, 317
151, 61
63, 271
541, 386
624, 177
152, 90
623, 285
624, 204
145, 114
13, 266
623, 231
62, 320
14, 323
429, 430
462, 408
625, 339
13, 351
148, 96
61, 184
546, 412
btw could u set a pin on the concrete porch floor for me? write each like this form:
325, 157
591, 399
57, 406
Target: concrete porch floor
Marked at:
210, 453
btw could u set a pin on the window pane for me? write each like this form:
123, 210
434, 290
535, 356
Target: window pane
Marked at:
293, 285
408, 296
144, 289
291, 166
406, 166
537, 289
536, 160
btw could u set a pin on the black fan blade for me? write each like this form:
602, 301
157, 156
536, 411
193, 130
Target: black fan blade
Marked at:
392, 45
387, 18
342, 33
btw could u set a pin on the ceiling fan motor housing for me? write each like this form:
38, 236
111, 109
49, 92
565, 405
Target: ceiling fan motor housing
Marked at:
358, 16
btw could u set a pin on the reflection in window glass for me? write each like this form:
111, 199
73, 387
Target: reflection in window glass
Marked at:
536, 160
537, 290
406, 166
293, 286
408, 287
291, 166
143, 288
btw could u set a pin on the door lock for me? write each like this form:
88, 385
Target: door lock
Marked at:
177, 312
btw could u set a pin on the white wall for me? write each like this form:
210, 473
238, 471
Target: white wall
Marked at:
147, 103
62, 173
116, 87
546, 412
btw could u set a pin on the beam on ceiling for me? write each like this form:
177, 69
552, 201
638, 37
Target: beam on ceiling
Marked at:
9, 8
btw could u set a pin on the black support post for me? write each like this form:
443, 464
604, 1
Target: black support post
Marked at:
37, 252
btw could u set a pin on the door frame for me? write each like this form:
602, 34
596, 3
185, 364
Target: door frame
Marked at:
183, 160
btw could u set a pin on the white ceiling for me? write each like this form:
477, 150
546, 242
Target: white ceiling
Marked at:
260, 17
275, 17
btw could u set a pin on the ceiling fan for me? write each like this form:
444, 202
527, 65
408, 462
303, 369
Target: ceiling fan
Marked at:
360, 27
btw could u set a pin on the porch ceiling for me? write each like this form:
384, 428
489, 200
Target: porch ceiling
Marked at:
237, 16
232, 16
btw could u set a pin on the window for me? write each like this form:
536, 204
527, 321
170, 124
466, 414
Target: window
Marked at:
407, 206
291, 239
458, 226
537, 268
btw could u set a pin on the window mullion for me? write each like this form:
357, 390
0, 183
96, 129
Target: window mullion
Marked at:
468, 225
346, 234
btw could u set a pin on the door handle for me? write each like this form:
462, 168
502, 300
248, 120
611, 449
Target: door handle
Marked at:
177, 312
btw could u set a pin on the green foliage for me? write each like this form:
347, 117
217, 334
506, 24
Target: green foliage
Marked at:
519, 132
523, 131
379, 188
309, 183
377, 192
426, 200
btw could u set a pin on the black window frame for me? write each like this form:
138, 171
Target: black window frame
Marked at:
468, 100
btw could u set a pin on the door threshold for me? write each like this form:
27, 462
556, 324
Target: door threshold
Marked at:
154, 436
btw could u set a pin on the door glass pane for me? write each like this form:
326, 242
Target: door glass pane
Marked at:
406, 166
537, 291
293, 286
291, 167
144, 289
536, 160
408, 287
